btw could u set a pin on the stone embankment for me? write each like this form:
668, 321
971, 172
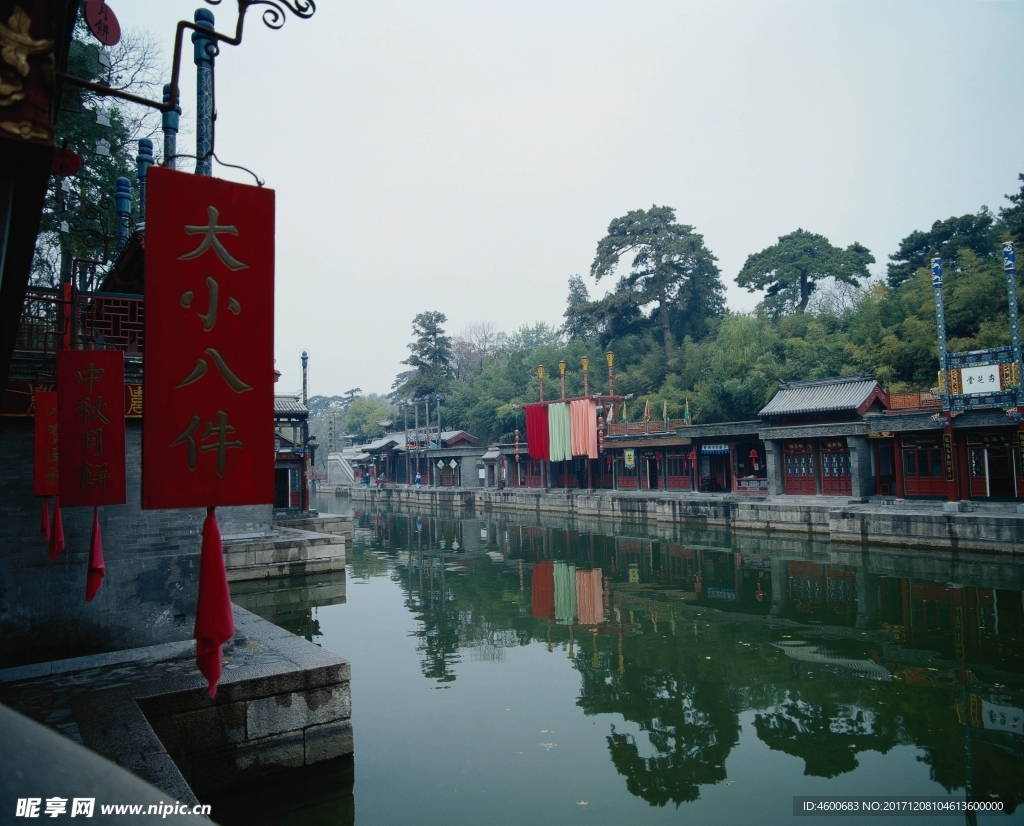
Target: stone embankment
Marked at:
991, 527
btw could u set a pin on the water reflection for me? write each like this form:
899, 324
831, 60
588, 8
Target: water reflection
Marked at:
836, 653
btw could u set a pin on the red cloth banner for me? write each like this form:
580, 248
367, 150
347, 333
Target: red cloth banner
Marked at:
44, 471
215, 620
90, 420
208, 432
56, 532
538, 439
94, 577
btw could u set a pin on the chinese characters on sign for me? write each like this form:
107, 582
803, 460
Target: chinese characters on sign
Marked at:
983, 379
90, 418
44, 476
208, 433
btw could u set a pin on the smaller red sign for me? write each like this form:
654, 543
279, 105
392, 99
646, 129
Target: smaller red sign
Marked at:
90, 416
102, 22
44, 476
66, 162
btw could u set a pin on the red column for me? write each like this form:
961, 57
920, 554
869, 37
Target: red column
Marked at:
897, 466
949, 441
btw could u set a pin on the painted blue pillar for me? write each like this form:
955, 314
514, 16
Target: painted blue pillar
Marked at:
1010, 266
203, 55
170, 126
940, 325
144, 161
123, 208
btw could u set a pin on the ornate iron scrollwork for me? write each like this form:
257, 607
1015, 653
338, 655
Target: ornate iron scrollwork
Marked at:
274, 16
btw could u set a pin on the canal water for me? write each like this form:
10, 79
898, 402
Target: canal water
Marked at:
513, 669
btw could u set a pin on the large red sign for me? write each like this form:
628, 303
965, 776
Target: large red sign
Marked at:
208, 431
44, 476
90, 420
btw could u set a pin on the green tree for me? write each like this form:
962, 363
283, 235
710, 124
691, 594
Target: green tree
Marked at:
81, 222
945, 239
576, 327
791, 269
364, 413
666, 257
431, 359
1013, 216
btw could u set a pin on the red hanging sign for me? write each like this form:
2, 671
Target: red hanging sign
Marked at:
44, 475
208, 432
102, 22
90, 420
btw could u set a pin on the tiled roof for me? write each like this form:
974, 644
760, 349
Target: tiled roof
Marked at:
846, 393
289, 406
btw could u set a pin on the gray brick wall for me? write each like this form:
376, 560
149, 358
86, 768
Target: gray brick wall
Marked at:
152, 563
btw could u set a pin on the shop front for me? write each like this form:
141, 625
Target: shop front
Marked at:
799, 462
924, 467
715, 470
994, 465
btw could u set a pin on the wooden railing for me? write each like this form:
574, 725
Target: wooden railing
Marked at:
107, 321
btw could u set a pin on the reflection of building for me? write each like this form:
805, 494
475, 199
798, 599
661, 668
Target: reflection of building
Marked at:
292, 455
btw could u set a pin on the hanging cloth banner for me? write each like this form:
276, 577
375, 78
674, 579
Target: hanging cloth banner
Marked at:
90, 421
215, 622
208, 432
584, 427
537, 436
56, 531
94, 577
560, 428
44, 466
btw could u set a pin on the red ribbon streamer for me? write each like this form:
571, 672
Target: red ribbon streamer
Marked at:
215, 622
57, 531
94, 578
45, 523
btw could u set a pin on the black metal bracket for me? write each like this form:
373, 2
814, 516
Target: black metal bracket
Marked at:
273, 18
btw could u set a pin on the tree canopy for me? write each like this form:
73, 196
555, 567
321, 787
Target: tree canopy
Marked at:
945, 239
670, 262
81, 222
791, 269
431, 359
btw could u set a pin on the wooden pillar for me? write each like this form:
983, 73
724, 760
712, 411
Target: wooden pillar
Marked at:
897, 465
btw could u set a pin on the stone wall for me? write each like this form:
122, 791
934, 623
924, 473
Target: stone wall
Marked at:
922, 525
152, 564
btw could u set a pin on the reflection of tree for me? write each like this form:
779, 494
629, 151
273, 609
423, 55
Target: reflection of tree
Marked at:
688, 671
690, 725
827, 736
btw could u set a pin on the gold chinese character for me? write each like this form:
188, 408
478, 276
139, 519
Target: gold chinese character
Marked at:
87, 411
93, 476
93, 439
222, 430
212, 291
134, 400
92, 375
210, 239
201, 367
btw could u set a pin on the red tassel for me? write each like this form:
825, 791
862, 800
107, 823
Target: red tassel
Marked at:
45, 524
57, 531
94, 578
215, 622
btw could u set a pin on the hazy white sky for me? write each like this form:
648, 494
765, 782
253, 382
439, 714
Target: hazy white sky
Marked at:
467, 157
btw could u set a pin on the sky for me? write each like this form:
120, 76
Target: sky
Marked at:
467, 157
